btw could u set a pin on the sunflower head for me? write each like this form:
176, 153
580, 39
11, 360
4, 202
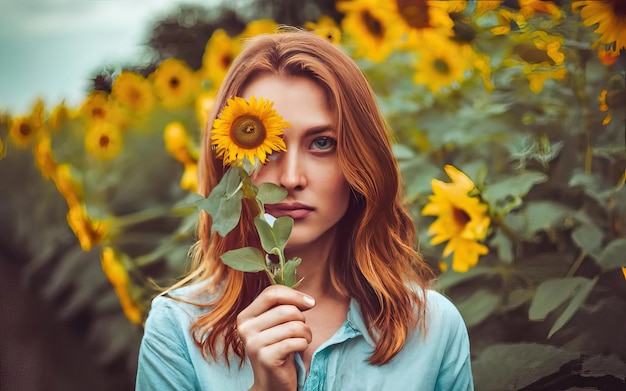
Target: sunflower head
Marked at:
248, 130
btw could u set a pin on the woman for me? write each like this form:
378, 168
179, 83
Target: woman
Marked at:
362, 317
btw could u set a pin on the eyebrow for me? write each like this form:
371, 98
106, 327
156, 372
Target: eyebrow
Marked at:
320, 129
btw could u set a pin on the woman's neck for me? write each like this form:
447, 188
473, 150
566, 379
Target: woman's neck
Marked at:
315, 267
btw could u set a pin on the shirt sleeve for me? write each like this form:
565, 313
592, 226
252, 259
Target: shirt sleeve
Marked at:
456, 371
164, 363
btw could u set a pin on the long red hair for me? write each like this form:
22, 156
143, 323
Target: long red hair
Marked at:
377, 263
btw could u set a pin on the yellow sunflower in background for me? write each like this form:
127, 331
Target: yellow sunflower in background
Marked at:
529, 8
462, 219
219, 53
442, 64
25, 130
203, 106
258, 26
98, 107
67, 186
610, 18
117, 275
423, 18
60, 115
133, 91
44, 158
174, 83
367, 23
326, 28
103, 140
89, 232
177, 142
484, 6
249, 130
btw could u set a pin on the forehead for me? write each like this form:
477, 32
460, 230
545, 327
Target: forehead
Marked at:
298, 99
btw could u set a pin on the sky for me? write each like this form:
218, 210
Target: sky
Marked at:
51, 48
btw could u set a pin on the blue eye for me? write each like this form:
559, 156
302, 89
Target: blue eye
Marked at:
324, 143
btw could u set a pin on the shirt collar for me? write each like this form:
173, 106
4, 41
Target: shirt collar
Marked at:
355, 320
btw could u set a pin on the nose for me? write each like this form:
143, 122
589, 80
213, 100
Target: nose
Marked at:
291, 170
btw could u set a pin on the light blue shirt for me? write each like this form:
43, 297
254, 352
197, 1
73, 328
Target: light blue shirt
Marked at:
169, 359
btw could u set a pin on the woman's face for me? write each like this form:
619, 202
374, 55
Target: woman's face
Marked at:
318, 193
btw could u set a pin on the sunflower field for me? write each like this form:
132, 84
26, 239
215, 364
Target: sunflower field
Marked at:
509, 124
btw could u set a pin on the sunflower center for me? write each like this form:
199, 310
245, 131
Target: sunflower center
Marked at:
460, 217
97, 112
25, 129
619, 8
134, 95
226, 59
104, 141
414, 13
174, 83
248, 132
372, 24
441, 66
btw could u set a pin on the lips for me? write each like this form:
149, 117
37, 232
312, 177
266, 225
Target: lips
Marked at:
296, 211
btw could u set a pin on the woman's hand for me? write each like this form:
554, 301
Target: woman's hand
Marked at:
272, 329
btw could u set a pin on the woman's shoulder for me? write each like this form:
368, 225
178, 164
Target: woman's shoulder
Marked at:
184, 303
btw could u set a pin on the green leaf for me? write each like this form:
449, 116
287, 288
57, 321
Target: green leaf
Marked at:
544, 215
588, 238
224, 203
274, 237
500, 193
579, 298
613, 255
452, 278
507, 367
282, 229
552, 293
504, 246
478, 306
291, 279
246, 259
269, 193
268, 238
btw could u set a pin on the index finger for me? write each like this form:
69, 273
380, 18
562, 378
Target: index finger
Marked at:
278, 295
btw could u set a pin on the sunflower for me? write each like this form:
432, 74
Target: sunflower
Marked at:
2, 150
177, 142
203, 106
219, 53
189, 180
461, 219
484, 6
59, 117
175, 83
368, 22
103, 140
89, 232
24, 130
44, 158
117, 275
258, 26
442, 64
248, 130
69, 188
133, 91
326, 28
529, 8
421, 17
610, 18
99, 107
612, 98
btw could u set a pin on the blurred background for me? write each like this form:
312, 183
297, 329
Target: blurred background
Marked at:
508, 119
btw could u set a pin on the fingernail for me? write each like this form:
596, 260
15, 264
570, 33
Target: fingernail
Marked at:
309, 300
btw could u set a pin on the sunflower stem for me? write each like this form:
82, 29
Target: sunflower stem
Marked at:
576, 264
